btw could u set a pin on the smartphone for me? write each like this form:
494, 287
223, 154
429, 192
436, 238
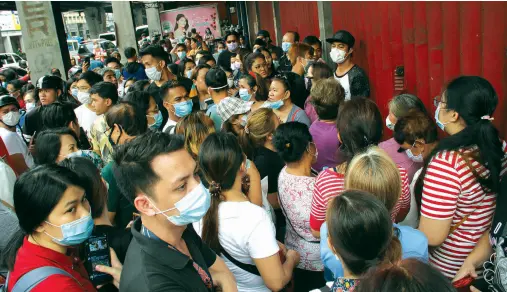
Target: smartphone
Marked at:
97, 253
87, 60
463, 284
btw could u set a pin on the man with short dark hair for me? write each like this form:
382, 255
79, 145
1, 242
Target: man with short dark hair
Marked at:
158, 176
133, 68
316, 44
49, 89
232, 43
104, 96
289, 38
216, 81
265, 36
115, 65
177, 103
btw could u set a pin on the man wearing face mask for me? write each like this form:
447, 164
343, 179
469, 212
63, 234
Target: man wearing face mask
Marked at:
301, 57
114, 64
265, 36
177, 103
167, 192
216, 81
352, 78
155, 59
290, 38
232, 44
9, 118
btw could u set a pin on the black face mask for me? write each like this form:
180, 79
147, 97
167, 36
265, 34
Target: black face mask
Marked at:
111, 139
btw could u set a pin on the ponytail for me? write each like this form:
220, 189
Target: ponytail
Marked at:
11, 249
393, 252
245, 143
210, 220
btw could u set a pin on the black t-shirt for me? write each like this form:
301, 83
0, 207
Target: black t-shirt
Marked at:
151, 265
298, 93
33, 122
269, 164
285, 64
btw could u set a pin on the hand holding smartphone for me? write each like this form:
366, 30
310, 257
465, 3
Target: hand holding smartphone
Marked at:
97, 253
463, 284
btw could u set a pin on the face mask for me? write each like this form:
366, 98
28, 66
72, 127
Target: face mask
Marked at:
389, 124
182, 55
30, 106
308, 82
235, 66
189, 74
117, 73
418, 158
84, 97
12, 118
232, 46
74, 92
230, 82
110, 137
244, 95
75, 232
276, 63
439, 123
338, 56
220, 51
286, 46
273, 105
153, 73
192, 207
244, 120
183, 109
158, 121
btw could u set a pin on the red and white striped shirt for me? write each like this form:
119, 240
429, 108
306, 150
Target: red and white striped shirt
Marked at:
330, 184
451, 191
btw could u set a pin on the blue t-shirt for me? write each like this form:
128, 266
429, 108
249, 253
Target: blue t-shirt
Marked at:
414, 244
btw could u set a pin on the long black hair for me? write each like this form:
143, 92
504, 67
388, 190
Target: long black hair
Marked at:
36, 193
49, 144
473, 98
220, 158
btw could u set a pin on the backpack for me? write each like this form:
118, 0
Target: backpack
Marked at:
31, 279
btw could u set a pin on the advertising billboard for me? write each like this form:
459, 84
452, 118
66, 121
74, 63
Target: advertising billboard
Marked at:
182, 20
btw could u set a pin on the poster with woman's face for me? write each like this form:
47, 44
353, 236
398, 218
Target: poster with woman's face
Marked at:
182, 20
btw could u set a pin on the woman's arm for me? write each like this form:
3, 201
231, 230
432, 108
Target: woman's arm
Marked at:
476, 258
275, 274
435, 230
18, 163
255, 192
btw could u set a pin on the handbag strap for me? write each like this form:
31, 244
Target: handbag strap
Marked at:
249, 268
453, 228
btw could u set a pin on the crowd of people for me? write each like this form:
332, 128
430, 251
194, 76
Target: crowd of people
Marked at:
209, 165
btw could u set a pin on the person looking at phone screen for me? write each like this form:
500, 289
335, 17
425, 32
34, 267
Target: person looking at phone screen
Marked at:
54, 215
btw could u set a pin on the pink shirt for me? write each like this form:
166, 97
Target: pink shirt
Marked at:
401, 159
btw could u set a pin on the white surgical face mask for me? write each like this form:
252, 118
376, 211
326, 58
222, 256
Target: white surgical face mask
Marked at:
11, 119
153, 73
84, 97
230, 82
414, 158
337, 55
389, 124
30, 106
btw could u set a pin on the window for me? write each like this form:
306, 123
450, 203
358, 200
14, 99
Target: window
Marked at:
16, 58
9, 59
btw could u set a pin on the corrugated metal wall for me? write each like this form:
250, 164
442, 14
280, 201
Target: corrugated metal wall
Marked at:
434, 41
266, 18
300, 16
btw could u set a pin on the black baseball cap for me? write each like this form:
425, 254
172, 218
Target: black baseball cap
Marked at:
342, 36
50, 82
263, 33
7, 100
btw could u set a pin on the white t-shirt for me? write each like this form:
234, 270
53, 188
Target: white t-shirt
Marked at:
85, 117
245, 232
168, 124
412, 218
345, 83
7, 180
15, 144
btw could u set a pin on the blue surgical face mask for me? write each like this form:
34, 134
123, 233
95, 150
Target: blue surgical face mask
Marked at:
273, 104
439, 123
244, 95
75, 232
192, 207
220, 51
189, 74
117, 73
181, 55
158, 121
414, 158
74, 91
183, 109
389, 124
286, 46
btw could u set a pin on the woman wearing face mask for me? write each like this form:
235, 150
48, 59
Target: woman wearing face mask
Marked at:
293, 143
71, 92
148, 105
30, 101
55, 145
246, 235
416, 133
253, 89
399, 107
186, 66
125, 121
280, 100
85, 112
14, 89
460, 181
352, 78
54, 215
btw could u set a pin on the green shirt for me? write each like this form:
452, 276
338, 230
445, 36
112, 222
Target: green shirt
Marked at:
116, 202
